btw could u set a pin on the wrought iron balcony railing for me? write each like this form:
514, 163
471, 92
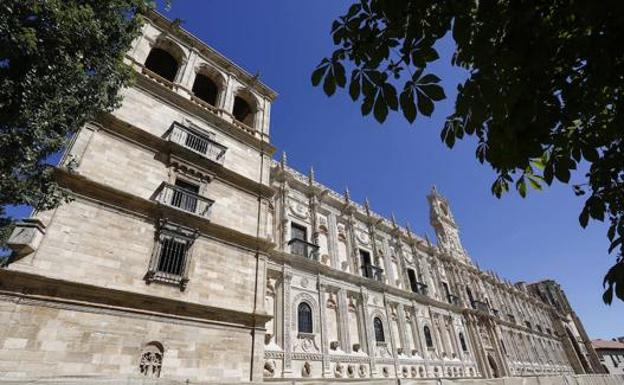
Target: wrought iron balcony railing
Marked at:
419, 288
197, 142
372, 272
453, 299
481, 306
183, 199
304, 249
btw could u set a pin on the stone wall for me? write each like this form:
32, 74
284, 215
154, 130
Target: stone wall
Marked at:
55, 339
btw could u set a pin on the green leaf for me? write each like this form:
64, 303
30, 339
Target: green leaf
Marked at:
408, 106
339, 74
390, 96
425, 105
367, 105
381, 109
562, 172
319, 72
329, 86
433, 91
522, 188
354, 86
584, 217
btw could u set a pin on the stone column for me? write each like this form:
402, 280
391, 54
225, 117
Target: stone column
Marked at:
287, 365
368, 332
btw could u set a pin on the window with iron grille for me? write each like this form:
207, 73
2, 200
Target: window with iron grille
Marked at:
170, 259
304, 318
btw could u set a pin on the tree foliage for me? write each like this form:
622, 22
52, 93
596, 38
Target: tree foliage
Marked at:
61, 63
544, 91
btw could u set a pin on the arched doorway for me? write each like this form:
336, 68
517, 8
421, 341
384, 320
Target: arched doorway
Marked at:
493, 366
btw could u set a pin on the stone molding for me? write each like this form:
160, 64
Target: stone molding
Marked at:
26, 288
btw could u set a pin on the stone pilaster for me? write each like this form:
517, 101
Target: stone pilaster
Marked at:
401, 323
332, 241
322, 290
343, 321
287, 364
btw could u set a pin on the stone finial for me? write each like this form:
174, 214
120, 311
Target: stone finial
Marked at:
311, 176
347, 195
367, 206
409, 230
394, 222
284, 160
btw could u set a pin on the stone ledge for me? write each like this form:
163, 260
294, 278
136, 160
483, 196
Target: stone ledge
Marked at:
27, 288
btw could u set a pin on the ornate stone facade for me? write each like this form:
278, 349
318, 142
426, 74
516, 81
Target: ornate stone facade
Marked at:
187, 253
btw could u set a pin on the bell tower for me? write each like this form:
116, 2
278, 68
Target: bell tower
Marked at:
443, 222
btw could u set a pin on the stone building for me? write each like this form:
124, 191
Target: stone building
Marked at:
188, 253
611, 354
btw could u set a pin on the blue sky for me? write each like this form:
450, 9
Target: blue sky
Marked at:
395, 164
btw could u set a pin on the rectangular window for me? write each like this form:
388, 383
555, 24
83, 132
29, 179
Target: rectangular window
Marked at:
172, 256
365, 260
298, 232
298, 240
185, 196
170, 259
413, 281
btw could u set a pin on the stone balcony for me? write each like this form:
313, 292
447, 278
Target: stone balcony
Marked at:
197, 142
373, 272
453, 299
481, 306
419, 288
182, 199
304, 249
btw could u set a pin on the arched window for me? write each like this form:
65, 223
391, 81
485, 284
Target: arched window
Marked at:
463, 342
379, 332
304, 317
162, 63
206, 89
151, 359
428, 339
243, 111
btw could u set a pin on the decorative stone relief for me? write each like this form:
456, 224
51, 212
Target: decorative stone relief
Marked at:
339, 371
362, 236
151, 360
306, 370
269, 368
362, 372
351, 371
299, 210
385, 371
306, 343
